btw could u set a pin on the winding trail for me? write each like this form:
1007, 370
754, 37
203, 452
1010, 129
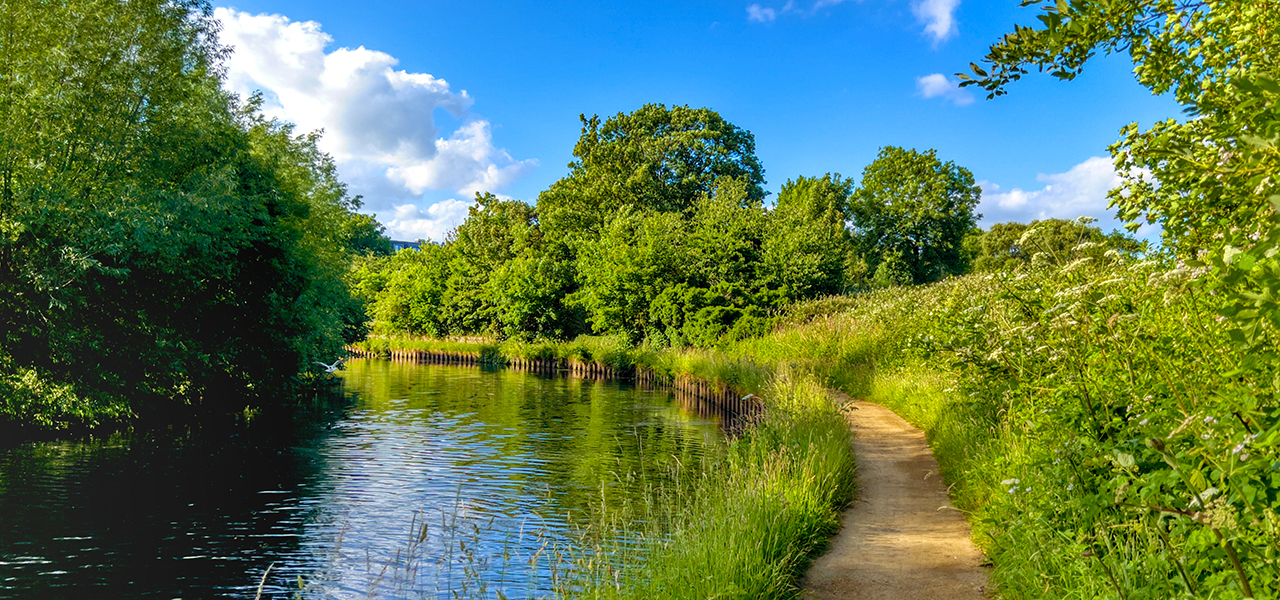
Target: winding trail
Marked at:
901, 537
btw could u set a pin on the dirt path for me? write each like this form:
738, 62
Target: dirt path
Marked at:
901, 538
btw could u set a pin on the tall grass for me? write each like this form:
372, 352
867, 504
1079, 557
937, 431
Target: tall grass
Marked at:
748, 526
1104, 434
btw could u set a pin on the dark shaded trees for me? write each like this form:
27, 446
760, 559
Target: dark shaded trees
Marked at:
159, 242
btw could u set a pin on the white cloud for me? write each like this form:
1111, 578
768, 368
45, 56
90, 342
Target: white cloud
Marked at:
939, 85
938, 16
378, 121
1080, 192
408, 222
467, 162
760, 14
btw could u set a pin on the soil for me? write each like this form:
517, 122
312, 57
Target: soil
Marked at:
901, 538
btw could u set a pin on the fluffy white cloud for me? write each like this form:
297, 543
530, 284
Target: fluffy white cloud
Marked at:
467, 162
760, 14
1080, 192
408, 222
938, 17
378, 120
938, 85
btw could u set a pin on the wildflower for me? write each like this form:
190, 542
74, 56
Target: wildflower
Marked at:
1204, 496
1210, 421
1143, 422
1071, 486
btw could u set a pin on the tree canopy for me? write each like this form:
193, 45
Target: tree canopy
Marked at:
159, 240
1219, 58
809, 250
655, 158
911, 212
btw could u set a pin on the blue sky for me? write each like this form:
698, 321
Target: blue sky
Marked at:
424, 103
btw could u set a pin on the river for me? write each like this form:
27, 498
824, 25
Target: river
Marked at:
428, 480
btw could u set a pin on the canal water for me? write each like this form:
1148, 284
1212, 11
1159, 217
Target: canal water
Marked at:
428, 481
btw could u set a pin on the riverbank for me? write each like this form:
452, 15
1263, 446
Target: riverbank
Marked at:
751, 525
1097, 425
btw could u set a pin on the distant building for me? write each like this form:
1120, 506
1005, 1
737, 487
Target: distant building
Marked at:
397, 246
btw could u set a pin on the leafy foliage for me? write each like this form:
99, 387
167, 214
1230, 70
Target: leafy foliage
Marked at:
656, 159
809, 250
1188, 465
1011, 246
911, 212
660, 233
158, 241
1219, 58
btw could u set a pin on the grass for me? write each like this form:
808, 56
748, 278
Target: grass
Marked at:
1096, 423
1077, 414
749, 523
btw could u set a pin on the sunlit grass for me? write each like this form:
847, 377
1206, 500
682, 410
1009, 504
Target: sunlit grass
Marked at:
749, 525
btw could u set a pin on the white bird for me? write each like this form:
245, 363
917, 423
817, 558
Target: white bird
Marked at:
333, 368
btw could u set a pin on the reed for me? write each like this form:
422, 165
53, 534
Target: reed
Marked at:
749, 524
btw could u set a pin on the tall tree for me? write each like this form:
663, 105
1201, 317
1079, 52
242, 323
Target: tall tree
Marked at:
495, 232
654, 159
911, 212
622, 271
809, 247
158, 241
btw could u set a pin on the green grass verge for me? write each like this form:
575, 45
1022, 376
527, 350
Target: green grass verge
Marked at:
1096, 423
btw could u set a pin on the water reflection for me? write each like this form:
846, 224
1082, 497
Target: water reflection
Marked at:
435, 477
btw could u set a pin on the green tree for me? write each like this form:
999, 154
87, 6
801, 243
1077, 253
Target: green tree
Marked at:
808, 248
1010, 246
1221, 59
406, 290
726, 230
656, 158
620, 273
363, 234
911, 212
495, 232
157, 241
681, 279
528, 296
505, 279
